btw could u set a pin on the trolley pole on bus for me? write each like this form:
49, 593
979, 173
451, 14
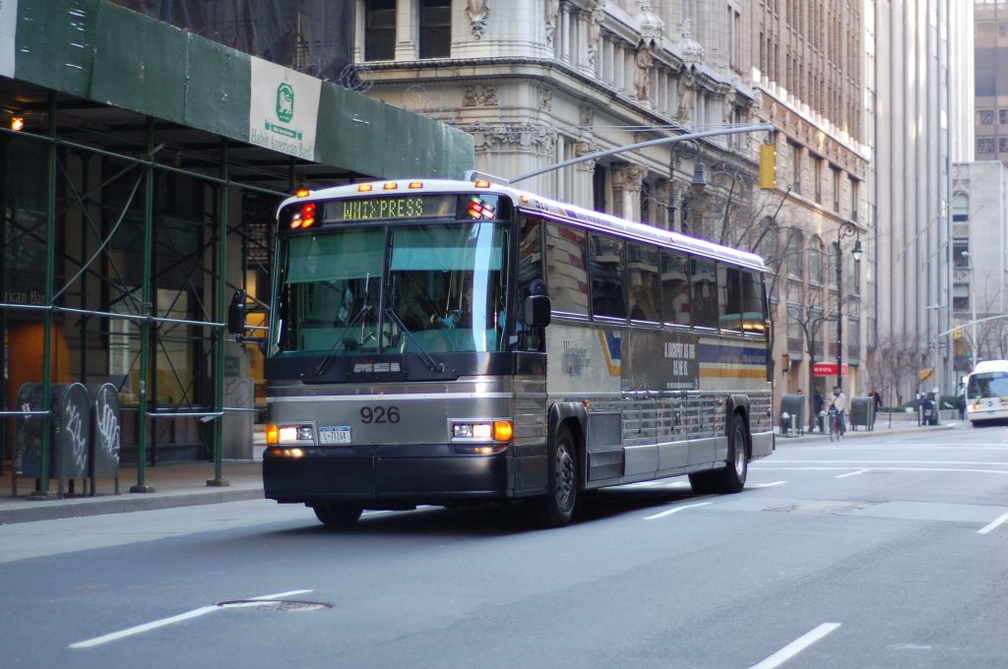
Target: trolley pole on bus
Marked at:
715, 132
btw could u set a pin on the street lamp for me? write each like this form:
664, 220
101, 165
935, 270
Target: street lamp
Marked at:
972, 298
846, 229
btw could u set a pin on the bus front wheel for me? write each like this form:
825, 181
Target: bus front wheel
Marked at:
562, 487
335, 516
733, 476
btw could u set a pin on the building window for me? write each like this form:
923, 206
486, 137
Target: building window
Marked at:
435, 29
379, 29
960, 297
854, 188
1003, 116
985, 145
986, 116
796, 167
794, 255
816, 261
837, 181
817, 176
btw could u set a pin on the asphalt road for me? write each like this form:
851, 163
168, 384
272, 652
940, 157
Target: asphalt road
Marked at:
882, 551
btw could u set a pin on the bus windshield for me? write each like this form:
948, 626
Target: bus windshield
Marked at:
987, 384
432, 288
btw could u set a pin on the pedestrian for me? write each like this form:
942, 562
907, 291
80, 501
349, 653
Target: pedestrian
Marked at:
877, 399
961, 405
817, 408
839, 402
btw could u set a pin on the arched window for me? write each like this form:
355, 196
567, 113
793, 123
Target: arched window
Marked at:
794, 256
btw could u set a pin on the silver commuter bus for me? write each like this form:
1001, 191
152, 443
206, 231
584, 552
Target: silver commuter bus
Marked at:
987, 393
448, 342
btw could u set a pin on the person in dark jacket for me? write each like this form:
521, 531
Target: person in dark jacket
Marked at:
817, 407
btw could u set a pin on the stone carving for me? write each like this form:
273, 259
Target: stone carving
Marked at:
478, 11
479, 96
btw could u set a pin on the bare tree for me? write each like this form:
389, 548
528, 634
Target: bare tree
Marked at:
893, 366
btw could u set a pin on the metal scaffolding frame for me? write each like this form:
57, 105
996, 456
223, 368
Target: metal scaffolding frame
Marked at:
167, 149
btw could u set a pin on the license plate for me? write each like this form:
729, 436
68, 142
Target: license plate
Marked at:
334, 435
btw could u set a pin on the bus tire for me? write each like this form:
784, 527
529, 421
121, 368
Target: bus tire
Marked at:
335, 516
733, 477
562, 485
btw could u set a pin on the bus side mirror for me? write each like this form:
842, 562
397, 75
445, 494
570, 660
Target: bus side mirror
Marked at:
236, 313
537, 311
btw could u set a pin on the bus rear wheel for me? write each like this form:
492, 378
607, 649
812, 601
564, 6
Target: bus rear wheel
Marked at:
336, 516
562, 486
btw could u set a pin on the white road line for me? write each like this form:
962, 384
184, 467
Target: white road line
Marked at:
959, 463
677, 509
888, 469
195, 613
860, 471
1000, 520
796, 646
765, 485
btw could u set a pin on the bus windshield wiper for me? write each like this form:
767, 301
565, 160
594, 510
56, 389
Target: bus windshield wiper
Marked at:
432, 365
347, 342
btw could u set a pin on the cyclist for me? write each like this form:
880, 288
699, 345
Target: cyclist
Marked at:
839, 402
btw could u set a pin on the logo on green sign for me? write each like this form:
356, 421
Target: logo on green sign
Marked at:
285, 102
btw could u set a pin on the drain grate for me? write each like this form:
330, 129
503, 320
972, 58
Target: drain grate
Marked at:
294, 605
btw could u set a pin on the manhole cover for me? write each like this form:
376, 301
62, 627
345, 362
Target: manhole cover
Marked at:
295, 605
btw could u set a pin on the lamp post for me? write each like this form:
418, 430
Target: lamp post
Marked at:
972, 298
846, 229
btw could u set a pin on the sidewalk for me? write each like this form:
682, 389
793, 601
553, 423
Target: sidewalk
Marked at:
169, 485
174, 485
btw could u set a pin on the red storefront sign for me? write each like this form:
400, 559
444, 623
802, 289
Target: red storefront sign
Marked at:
828, 369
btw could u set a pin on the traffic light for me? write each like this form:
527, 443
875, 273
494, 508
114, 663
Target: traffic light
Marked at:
768, 166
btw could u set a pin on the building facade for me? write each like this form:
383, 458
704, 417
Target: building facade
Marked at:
980, 264
923, 120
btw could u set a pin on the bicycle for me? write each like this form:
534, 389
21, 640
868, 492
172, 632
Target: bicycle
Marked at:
834, 425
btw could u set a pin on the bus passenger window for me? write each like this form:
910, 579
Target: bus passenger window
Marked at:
607, 282
645, 288
675, 288
703, 289
754, 313
730, 299
530, 268
567, 269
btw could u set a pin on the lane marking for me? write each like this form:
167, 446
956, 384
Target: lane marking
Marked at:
887, 469
766, 485
898, 462
1000, 520
796, 646
677, 509
860, 471
146, 627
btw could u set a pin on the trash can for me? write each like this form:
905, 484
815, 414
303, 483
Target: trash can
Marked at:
69, 425
106, 434
793, 407
862, 413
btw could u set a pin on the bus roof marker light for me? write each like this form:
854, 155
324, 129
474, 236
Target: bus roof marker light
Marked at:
302, 191
390, 185
364, 188
414, 185
482, 183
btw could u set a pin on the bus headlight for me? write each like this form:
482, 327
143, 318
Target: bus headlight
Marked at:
498, 430
290, 434
466, 434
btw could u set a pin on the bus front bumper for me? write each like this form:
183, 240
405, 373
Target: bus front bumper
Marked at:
386, 476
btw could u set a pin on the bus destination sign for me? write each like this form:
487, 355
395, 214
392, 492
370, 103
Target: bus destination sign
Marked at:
390, 208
